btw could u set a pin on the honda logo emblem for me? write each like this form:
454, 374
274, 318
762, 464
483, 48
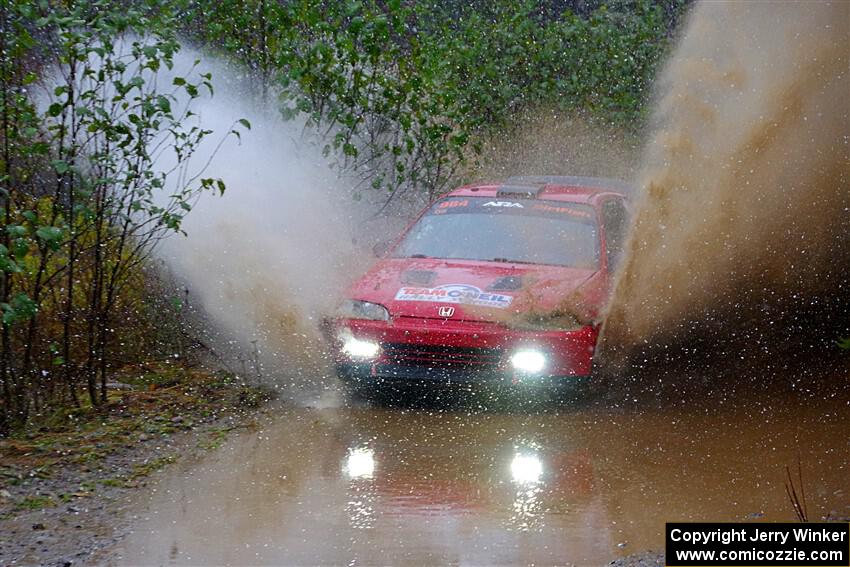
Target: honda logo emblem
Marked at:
446, 311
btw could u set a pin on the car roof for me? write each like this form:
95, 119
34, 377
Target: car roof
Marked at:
555, 188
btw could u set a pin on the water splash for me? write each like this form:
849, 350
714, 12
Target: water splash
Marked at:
273, 254
743, 224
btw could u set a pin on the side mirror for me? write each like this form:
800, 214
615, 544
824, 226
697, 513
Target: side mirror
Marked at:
381, 248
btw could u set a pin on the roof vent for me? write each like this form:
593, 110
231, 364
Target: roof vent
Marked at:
588, 182
519, 191
418, 277
506, 283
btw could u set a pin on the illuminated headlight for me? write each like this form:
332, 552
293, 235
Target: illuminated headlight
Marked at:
528, 361
360, 349
354, 309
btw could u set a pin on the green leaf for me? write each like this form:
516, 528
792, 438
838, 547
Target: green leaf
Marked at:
244, 122
20, 249
20, 308
7, 264
163, 103
60, 166
16, 230
52, 235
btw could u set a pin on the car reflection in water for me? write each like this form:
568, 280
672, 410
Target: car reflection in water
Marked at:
378, 486
385, 486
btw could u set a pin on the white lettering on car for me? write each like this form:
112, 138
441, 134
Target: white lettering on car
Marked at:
502, 204
454, 293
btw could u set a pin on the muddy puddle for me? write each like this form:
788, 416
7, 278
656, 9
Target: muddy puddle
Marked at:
371, 485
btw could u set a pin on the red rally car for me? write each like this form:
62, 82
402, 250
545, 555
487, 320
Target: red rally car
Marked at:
492, 282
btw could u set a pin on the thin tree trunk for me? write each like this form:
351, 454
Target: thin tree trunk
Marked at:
6, 282
102, 366
68, 374
96, 297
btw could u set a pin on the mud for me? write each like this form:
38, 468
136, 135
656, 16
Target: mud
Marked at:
741, 233
357, 484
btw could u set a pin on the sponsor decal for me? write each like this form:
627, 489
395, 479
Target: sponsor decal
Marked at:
503, 204
446, 311
452, 204
566, 210
454, 293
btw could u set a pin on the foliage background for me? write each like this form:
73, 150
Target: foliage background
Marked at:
405, 94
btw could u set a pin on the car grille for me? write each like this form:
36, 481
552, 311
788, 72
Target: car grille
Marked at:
475, 359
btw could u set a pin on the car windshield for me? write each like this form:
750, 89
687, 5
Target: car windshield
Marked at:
533, 232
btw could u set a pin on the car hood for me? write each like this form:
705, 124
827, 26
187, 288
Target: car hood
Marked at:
478, 291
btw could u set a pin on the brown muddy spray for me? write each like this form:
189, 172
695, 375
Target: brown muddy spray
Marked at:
744, 220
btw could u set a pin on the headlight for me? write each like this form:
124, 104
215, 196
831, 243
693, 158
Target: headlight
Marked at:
528, 361
354, 309
360, 349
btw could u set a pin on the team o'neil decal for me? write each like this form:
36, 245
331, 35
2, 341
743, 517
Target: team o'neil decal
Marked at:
454, 293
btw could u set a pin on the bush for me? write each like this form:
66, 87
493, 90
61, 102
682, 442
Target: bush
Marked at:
84, 202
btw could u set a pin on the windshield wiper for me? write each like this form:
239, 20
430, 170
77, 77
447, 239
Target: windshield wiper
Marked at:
507, 261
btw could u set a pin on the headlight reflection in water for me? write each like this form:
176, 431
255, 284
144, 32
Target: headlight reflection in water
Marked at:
527, 476
359, 467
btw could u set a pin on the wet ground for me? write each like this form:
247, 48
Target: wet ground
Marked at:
362, 484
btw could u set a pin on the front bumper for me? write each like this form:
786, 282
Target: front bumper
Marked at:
459, 352
376, 375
